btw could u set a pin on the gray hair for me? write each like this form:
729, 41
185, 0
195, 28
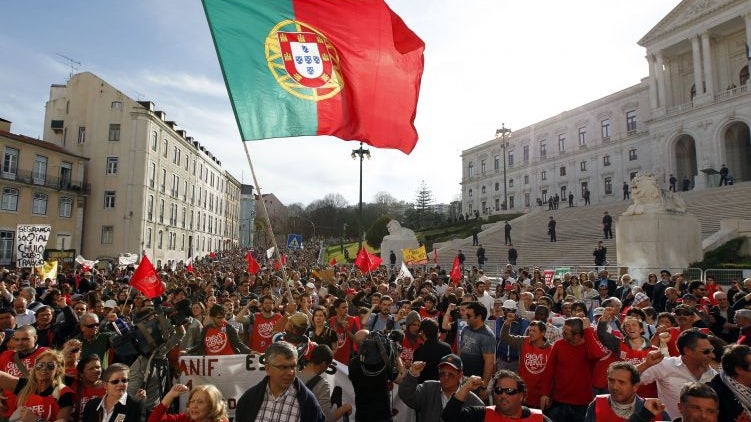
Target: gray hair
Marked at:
286, 350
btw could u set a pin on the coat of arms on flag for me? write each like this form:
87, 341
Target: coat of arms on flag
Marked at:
306, 58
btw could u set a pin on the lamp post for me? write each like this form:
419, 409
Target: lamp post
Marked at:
362, 153
503, 131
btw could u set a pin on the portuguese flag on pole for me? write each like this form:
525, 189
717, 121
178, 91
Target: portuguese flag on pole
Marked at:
347, 68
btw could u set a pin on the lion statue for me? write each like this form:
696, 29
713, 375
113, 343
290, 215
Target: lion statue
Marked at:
650, 198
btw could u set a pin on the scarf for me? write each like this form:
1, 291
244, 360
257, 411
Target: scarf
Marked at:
741, 392
623, 410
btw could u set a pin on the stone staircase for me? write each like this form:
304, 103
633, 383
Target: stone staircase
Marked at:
579, 228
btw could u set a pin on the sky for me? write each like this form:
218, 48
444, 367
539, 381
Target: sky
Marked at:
487, 63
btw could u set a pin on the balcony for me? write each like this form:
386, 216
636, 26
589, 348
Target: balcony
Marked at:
28, 178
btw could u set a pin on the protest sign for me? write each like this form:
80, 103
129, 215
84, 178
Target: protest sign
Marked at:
31, 240
416, 256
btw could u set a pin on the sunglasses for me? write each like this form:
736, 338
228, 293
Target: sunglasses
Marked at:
118, 381
50, 366
707, 351
91, 325
508, 391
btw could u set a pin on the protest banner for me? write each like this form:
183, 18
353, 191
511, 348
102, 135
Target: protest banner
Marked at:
66, 258
416, 256
547, 275
235, 374
31, 240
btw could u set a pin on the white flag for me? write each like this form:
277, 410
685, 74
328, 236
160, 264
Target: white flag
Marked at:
270, 252
404, 272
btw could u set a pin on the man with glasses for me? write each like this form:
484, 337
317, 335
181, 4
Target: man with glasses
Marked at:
733, 384
428, 398
696, 352
509, 392
478, 344
280, 396
93, 341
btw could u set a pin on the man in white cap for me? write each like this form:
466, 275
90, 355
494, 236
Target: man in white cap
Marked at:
507, 356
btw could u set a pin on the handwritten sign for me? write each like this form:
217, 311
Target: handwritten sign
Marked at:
31, 240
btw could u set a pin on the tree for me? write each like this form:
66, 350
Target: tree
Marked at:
423, 201
377, 232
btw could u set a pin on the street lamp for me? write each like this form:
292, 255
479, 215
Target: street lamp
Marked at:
503, 131
362, 153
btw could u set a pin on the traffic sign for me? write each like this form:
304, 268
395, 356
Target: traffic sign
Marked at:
294, 241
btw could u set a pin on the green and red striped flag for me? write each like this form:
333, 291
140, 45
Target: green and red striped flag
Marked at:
347, 68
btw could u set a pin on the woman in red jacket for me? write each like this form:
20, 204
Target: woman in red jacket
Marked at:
205, 404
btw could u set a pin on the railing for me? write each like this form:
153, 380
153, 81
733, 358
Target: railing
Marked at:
29, 178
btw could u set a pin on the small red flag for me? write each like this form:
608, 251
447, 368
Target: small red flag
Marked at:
253, 266
435, 256
212, 255
284, 259
366, 261
456, 272
146, 279
333, 261
189, 265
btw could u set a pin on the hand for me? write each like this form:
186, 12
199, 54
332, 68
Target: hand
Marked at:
654, 357
474, 382
60, 302
111, 317
416, 368
545, 402
27, 415
140, 394
178, 389
348, 408
655, 406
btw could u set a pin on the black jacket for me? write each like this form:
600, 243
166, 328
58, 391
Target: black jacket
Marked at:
132, 409
250, 403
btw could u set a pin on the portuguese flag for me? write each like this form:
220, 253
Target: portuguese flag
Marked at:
347, 68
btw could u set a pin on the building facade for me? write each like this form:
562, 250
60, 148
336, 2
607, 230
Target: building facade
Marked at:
247, 215
154, 189
663, 125
278, 216
41, 183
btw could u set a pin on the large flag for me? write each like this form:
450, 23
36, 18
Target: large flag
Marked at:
253, 266
456, 272
347, 68
367, 261
146, 280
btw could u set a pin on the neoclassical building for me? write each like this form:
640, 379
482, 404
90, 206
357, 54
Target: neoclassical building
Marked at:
154, 189
687, 118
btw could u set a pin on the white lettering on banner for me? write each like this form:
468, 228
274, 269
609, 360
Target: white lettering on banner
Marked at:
31, 240
235, 374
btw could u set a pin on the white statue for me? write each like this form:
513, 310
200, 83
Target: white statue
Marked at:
650, 198
398, 238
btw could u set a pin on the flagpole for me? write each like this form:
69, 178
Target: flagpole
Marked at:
268, 220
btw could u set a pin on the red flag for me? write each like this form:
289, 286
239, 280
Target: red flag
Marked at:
146, 280
253, 266
365, 87
333, 261
189, 265
277, 265
366, 261
212, 255
284, 259
435, 256
456, 272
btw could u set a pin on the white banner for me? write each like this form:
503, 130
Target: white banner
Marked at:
31, 240
126, 259
235, 374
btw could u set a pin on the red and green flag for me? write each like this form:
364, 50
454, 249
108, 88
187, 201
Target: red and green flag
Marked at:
346, 68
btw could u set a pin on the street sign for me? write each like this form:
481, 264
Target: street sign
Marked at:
294, 241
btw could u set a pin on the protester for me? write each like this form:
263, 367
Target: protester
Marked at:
116, 402
623, 402
87, 385
205, 404
311, 375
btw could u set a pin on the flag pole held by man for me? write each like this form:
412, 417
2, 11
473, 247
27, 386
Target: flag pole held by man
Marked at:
346, 68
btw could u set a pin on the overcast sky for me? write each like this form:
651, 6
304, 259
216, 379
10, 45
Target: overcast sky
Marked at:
487, 62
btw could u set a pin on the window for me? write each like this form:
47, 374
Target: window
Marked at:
150, 207
606, 160
525, 153
632, 175
631, 122
497, 186
631, 154
6, 247
164, 180
511, 202
159, 239
511, 183
161, 210
470, 170
544, 175
10, 163
526, 200
66, 172
184, 213
561, 143
176, 155
111, 165
175, 185
482, 190
154, 140
65, 207
543, 150
583, 166
584, 187
469, 193
108, 234
544, 195
511, 159
165, 147
484, 207
152, 174
147, 240
114, 132
109, 199
608, 186
482, 171
582, 136
497, 204
39, 173
39, 204
563, 170
81, 134
117, 105
563, 192
605, 127
497, 163
10, 199
526, 179
187, 161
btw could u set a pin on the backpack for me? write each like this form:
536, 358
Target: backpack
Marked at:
378, 354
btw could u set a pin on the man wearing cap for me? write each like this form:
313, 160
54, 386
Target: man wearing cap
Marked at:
508, 394
295, 334
507, 356
428, 398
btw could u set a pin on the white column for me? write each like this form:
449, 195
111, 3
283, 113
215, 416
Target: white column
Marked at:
661, 80
696, 52
653, 84
708, 65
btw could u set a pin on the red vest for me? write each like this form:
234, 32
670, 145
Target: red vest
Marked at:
263, 328
216, 341
343, 343
45, 407
408, 350
532, 362
636, 357
8, 365
604, 413
492, 416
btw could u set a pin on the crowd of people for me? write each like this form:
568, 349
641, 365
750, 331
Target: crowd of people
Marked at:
589, 346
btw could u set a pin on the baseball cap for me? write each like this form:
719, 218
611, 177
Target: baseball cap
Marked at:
299, 320
640, 297
509, 304
689, 296
452, 360
110, 304
310, 285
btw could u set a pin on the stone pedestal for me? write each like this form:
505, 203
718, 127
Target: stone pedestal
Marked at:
657, 240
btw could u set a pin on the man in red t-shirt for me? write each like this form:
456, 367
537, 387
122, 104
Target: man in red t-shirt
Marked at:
263, 325
345, 327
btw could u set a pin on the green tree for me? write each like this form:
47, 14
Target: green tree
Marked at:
377, 232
